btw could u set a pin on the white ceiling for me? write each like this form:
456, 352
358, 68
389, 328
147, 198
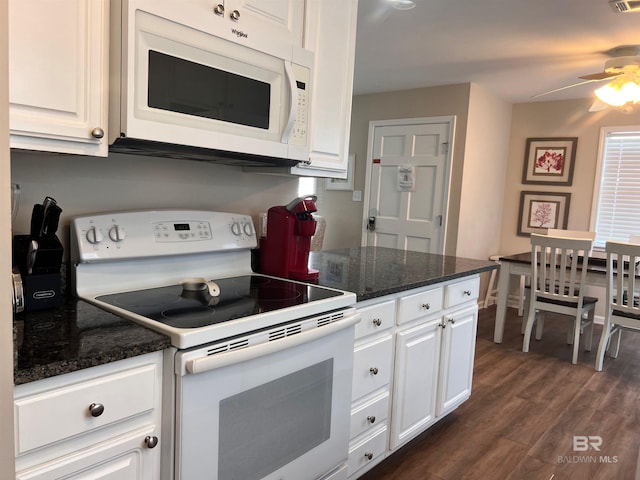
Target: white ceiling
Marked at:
514, 48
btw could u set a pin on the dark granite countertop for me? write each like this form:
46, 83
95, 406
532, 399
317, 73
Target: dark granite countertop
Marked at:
372, 272
80, 335
74, 336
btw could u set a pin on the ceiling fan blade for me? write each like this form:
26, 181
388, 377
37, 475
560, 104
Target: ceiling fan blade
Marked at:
598, 105
599, 76
562, 88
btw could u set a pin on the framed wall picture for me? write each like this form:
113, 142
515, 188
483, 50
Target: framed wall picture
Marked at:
343, 183
549, 161
540, 211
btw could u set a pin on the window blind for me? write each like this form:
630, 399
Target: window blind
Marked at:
618, 214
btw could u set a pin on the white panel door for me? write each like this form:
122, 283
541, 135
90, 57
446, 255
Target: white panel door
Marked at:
408, 189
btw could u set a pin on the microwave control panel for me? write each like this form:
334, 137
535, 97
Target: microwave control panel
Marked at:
301, 122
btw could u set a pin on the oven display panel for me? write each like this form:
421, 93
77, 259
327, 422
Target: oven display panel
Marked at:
181, 231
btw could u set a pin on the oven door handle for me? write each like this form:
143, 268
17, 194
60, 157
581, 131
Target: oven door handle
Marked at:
205, 364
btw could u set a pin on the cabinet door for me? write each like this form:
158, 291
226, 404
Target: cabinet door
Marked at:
416, 381
281, 20
58, 58
458, 349
330, 32
122, 458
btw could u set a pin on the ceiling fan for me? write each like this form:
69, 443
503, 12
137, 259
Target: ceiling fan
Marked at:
624, 68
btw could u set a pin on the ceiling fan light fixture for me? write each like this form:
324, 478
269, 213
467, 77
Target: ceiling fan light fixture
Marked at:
619, 92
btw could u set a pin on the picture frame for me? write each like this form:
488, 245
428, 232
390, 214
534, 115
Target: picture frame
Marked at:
549, 161
540, 211
343, 183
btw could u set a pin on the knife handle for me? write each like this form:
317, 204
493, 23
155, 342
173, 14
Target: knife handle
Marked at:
37, 216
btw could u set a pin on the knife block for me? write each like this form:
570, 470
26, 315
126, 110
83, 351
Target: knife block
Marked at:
41, 287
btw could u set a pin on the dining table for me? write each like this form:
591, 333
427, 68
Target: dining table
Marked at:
520, 264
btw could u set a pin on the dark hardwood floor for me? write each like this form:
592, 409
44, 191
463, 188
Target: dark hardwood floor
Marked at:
526, 408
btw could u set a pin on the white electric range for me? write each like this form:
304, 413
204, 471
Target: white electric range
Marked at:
261, 364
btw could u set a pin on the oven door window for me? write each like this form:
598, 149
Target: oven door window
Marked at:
292, 412
190, 88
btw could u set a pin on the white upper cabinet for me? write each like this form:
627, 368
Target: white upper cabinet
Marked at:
330, 32
58, 69
282, 20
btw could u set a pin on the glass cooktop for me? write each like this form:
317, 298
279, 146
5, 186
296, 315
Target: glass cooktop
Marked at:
239, 297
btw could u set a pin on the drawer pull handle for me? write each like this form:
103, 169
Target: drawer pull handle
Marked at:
452, 321
96, 409
467, 293
373, 370
426, 306
151, 441
368, 455
371, 419
377, 322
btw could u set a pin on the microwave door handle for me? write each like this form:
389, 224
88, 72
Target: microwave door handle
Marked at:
293, 110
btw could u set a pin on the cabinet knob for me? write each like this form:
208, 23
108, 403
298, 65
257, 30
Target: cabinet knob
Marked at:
377, 322
151, 441
371, 419
426, 306
373, 370
218, 9
235, 15
368, 455
97, 132
96, 409
467, 293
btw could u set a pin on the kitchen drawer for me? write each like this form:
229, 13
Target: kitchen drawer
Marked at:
376, 318
418, 305
371, 366
370, 414
461, 292
367, 451
63, 412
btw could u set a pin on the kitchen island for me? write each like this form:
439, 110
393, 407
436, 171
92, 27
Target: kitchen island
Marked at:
372, 272
415, 343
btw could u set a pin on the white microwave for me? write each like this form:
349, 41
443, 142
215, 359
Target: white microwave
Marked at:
188, 83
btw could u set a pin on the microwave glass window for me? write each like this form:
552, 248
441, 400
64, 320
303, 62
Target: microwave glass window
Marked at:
181, 86
292, 414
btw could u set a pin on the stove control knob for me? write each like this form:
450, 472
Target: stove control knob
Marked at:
247, 227
236, 229
94, 236
117, 233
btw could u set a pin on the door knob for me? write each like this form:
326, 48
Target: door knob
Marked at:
371, 224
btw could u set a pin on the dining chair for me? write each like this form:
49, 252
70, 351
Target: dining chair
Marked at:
623, 309
556, 232
558, 272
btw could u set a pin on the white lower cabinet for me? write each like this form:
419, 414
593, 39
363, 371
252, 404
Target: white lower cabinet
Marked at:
416, 380
371, 393
98, 423
432, 332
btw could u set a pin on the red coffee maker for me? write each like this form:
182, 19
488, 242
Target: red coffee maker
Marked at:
284, 252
